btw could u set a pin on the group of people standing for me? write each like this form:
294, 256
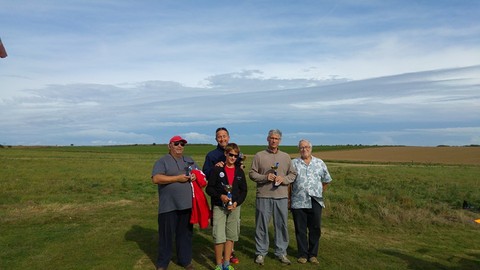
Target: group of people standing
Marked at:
272, 170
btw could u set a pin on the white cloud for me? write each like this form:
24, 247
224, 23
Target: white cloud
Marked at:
348, 112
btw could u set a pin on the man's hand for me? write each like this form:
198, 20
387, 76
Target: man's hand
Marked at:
182, 178
278, 180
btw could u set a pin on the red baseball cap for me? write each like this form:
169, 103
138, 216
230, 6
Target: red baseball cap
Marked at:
177, 138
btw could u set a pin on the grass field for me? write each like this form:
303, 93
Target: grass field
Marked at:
95, 208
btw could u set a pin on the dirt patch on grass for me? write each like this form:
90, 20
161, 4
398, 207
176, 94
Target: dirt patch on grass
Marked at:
407, 154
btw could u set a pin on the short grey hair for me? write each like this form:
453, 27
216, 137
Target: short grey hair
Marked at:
275, 131
307, 141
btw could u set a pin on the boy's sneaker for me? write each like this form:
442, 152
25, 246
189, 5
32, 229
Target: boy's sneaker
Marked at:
219, 267
259, 260
234, 259
284, 259
229, 267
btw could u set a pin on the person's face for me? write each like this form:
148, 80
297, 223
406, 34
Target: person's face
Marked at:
222, 138
232, 156
305, 150
273, 141
176, 148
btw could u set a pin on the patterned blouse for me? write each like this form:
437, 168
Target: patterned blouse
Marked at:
308, 183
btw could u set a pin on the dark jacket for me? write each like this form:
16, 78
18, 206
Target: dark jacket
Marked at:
215, 188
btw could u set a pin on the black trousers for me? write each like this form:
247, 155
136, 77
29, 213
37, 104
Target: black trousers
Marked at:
308, 222
174, 226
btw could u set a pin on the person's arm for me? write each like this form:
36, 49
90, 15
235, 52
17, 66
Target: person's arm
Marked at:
161, 179
211, 188
207, 166
290, 174
254, 174
326, 177
324, 186
242, 188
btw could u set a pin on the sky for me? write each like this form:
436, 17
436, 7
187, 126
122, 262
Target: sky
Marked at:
109, 72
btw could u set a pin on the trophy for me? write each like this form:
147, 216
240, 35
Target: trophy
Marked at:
228, 189
274, 168
188, 168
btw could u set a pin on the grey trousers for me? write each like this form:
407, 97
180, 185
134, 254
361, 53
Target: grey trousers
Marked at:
265, 209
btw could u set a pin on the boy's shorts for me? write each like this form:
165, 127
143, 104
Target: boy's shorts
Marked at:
226, 224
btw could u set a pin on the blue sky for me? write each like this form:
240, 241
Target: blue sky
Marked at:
335, 72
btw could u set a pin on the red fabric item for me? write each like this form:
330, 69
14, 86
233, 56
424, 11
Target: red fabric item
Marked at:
200, 211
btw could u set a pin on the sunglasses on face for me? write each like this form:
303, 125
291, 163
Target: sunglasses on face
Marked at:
179, 143
232, 155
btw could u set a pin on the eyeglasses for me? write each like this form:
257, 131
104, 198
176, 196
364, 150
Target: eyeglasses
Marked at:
179, 142
304, 147
232, 155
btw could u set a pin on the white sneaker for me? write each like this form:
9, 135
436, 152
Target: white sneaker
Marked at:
284, 259
259, 260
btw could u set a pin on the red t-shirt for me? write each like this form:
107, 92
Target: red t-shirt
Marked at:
230, 174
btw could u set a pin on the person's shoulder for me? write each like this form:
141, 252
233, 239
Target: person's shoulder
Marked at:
239, 168
162, 158
217, 169
318, 161
212, 152
283, 153
261, 152
188, 158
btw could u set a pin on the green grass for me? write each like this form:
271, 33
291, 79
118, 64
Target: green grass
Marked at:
95, 208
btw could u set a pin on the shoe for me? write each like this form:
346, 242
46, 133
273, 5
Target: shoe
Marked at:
259, 260
234, 259
229, 267
189, 267
313, 260
219, 267
284, 259
302, 260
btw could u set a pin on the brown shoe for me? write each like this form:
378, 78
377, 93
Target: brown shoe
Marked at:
189, 267
302, 260
313, 260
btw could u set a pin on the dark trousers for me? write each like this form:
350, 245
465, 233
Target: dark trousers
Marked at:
308, 219
174, 225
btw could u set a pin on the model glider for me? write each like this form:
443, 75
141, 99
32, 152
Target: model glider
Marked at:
3, 52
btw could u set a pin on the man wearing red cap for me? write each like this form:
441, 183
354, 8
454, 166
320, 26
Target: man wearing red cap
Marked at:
172, 174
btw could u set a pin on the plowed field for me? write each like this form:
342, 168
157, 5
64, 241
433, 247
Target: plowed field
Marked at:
432, 155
